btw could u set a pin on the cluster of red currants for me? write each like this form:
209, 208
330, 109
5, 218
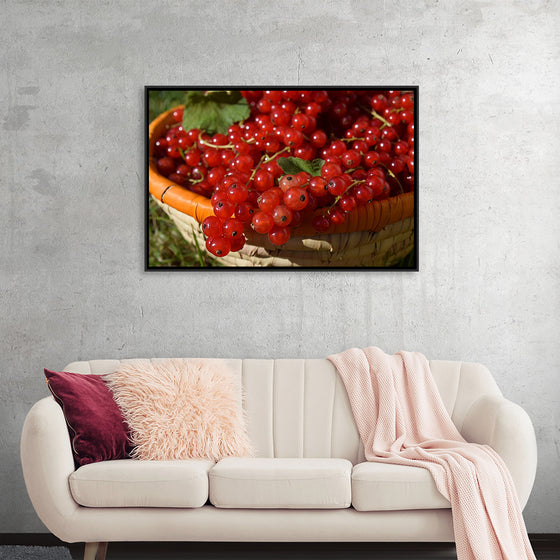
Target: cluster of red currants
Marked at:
312, 155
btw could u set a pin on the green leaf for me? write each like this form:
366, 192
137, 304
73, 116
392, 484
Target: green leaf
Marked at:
214, 111
293, 165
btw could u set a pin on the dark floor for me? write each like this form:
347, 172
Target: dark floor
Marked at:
545, 549
272, 551
546, 546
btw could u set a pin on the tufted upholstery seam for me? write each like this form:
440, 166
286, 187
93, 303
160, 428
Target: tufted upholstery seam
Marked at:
303, 415
332, 418
273, 408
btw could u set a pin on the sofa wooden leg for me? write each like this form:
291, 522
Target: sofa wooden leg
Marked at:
90, 551
101, 551
95, 551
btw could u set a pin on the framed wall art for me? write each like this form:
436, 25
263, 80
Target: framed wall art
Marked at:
256, 178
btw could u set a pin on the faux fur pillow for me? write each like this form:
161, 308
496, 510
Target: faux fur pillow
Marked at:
181, 409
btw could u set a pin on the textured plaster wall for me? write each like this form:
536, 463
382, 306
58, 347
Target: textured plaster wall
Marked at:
72, 197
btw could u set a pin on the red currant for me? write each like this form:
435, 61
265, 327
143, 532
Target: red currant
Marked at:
192, 136
192, 157
337, 148
262, 222
274, 95
264, 105
371, 159
301, 122
224, 209
347, 203
237, 192
178, 115
407, 117
237, 243
321, 96
243, 163
263, 180
389, 133
296, 198
376, 184
280, 117
339, 109
165, 165
396, 165
379, 102
271, 145
232, 228
288, 181
211, 157
269, 199
244, 212
305, 151
173, 152
384, 146
219, 246
160, 148
293, 138
319, 138
217, 197
279, 235
351, 158
313, 109
302, 178
282, 215
407, 101
360, 146
337, 216
215, 175
336, 186
212, 226
363, 194
241, 147
226, 157
320, 223
330, 170
318, 186
176, 178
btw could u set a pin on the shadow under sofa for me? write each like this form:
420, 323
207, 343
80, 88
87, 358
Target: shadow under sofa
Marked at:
309, 480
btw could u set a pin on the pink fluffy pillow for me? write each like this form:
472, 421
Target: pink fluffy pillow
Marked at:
181, 409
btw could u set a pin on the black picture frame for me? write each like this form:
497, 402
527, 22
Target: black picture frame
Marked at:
157, 244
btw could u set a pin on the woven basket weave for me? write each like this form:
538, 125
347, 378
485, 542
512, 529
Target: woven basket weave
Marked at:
375, 235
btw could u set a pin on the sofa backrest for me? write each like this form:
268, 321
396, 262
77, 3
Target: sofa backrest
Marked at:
299, 407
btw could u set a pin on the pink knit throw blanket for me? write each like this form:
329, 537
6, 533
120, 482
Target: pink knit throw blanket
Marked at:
402, 420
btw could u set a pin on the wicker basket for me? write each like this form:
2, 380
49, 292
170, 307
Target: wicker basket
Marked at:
375, 235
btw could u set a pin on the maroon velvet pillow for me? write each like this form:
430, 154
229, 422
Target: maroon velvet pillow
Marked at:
95, 423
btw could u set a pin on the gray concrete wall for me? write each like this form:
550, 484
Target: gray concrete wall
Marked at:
71, 214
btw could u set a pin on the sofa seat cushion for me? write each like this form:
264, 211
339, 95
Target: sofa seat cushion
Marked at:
136, 483
281, 483
382, 487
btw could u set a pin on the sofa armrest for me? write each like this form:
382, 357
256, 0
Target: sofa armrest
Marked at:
47, 461
507, 428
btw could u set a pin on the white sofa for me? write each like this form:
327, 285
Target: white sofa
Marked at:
309, 481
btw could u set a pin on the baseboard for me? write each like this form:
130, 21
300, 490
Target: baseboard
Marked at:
30, 539
545, 537
48, 539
